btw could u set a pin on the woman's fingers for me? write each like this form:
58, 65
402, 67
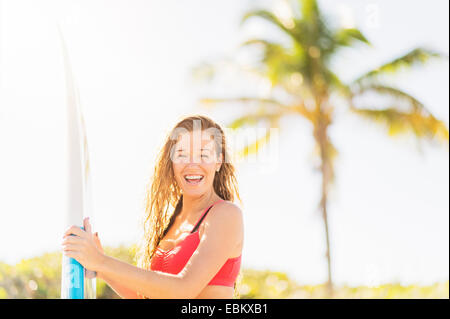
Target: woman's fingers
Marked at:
97, 242
75, 230
71, 247
72, 254
87, 225
72, 240
82, 245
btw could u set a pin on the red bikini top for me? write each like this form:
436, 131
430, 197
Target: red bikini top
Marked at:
173, 260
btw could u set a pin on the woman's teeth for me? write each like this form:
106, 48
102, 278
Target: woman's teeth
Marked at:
193, 179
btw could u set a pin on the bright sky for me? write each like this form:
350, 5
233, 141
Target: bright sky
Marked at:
132, 59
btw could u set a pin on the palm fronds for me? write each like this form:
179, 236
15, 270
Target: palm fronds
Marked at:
210, 101
293, 31
406, 115
270, 121
422, 125
416, 57
347, 37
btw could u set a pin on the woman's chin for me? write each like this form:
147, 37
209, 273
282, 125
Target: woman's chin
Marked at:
193, 190
192, 193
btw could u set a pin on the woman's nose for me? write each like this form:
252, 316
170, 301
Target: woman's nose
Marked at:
195, 159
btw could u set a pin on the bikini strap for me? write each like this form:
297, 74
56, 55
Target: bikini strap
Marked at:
201, 219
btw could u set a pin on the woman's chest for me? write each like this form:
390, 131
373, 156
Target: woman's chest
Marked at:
177, 234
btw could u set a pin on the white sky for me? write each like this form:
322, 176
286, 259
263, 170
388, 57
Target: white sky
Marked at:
132, 59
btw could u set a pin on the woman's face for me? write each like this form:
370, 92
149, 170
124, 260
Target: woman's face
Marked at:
195, 162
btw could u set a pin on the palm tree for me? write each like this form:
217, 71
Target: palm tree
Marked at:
301, 69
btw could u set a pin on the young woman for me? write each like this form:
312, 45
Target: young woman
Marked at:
192, 252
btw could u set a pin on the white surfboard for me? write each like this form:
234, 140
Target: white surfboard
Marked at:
76, 282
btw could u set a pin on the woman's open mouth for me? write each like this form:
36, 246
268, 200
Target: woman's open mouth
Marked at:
193, 179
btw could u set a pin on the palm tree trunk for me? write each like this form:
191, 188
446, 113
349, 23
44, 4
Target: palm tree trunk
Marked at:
321, 137
323, 205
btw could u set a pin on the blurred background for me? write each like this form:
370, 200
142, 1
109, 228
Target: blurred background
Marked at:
345, 197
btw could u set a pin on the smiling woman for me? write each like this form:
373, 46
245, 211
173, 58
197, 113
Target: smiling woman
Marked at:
194, 251
199, 173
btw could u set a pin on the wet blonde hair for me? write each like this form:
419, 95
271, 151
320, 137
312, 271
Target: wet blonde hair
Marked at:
163, 193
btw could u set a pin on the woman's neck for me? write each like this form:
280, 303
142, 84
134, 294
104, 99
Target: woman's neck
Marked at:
192, 205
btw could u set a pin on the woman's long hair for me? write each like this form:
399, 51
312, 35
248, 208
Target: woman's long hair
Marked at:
163, 193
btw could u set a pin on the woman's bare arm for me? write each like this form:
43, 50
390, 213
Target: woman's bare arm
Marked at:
214, 249
211, 254
152, 284
119, 289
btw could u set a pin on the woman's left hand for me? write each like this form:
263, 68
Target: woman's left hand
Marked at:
82, 247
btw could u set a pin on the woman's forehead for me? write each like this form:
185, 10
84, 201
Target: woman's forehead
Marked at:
191, 139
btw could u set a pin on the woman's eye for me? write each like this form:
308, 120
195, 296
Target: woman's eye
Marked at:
180, 156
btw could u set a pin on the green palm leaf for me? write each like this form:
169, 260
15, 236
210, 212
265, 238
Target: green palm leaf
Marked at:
293, 32
254, 147
395, 93
422, 125
416, 57
278, 62
416, 119
246, 100
269, 120
347, 37
310, 11
266, 107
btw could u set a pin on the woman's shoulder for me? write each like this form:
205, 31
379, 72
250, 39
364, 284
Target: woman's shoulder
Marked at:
225, 217
227, 210
228, 205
